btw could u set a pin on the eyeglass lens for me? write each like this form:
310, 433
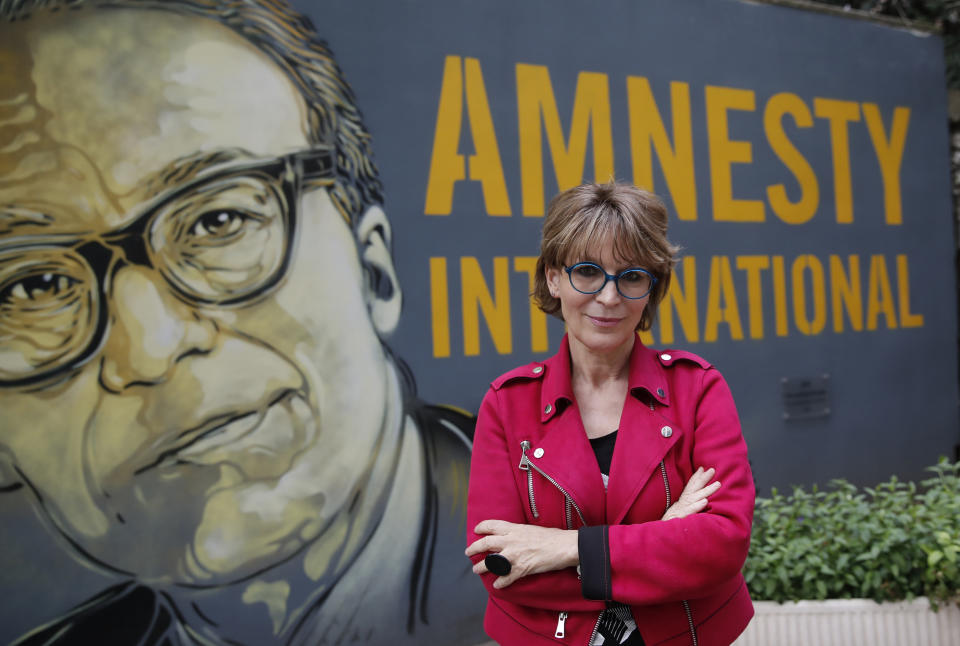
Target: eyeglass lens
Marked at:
590, 279
219, 242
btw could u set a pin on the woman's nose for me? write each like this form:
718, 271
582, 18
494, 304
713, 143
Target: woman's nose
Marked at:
608, 293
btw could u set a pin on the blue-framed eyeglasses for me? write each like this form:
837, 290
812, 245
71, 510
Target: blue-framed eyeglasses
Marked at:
590, 278
221, 239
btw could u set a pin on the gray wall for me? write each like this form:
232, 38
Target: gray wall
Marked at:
892, 385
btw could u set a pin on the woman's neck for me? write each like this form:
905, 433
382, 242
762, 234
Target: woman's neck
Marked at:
597, 368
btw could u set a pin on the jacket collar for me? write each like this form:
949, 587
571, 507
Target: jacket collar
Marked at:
641, 443
646, 373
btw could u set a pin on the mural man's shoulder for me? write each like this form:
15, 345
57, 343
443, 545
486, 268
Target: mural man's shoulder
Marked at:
447, 587
446, 424
123, 614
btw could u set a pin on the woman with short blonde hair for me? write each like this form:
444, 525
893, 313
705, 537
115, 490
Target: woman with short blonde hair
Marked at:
576, 519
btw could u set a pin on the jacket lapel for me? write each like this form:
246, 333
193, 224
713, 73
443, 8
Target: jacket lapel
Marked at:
640, 447
567, 457
641, 440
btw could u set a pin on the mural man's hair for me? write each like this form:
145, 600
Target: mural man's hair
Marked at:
291, 41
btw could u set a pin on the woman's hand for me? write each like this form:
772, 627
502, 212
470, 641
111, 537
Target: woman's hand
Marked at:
529, 548
694, 496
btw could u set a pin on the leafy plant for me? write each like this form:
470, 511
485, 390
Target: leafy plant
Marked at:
892, 542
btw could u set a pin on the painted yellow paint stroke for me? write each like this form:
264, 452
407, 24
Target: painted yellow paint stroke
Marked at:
274, 596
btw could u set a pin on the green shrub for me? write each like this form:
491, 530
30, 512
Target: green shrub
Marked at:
893, 542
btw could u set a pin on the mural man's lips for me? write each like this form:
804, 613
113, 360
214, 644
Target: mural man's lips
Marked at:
221, 431
231, 430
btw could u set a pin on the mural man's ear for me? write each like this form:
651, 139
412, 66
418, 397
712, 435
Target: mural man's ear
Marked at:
381, 289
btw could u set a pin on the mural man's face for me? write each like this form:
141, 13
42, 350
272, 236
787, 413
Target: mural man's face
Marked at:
234, 408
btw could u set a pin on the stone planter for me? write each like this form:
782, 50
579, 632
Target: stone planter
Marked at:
848, 622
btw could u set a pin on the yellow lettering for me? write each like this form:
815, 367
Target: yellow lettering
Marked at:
485, 166
646, 128
721, 289
591, 111
890, 156
803, 209
907, 319
840, 113
684, 300
496, 309
446, 164
753, 265
538, 320
879, 294
846, 293
805, 324
779, 296
725, 152
440, 307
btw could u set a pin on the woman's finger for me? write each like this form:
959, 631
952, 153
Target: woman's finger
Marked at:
696, 481
504, 581
702, 477
710, 489
484, 544
702, 493
493, 526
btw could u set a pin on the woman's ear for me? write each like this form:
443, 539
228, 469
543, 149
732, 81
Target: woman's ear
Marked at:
554, 275
381, 288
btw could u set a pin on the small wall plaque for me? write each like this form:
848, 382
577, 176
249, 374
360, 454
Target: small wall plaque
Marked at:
806, 397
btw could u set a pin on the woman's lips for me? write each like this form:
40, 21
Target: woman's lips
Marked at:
600, 321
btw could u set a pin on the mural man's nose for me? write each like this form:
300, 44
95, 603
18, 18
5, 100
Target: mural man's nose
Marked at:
150, 330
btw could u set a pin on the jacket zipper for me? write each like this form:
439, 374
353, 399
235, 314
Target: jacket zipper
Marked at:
693, 630
525, 466
561, 625
666, 484
568, 507
569, 502
685, 603
596, 629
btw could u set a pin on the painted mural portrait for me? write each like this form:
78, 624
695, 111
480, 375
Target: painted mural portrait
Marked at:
204, 438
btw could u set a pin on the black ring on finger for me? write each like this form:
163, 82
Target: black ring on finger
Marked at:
498, 564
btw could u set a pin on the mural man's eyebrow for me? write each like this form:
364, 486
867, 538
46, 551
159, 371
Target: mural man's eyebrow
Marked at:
12, 218
15, 217
184, 169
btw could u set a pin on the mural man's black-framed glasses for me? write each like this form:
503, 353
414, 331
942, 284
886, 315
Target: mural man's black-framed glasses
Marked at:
590, 278
223, 238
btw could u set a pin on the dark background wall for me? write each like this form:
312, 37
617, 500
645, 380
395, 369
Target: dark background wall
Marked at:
890, 404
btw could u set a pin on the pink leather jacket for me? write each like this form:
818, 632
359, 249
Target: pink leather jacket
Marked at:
532, 463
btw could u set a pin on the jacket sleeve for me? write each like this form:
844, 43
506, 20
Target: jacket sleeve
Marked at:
494, 494
663, 561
